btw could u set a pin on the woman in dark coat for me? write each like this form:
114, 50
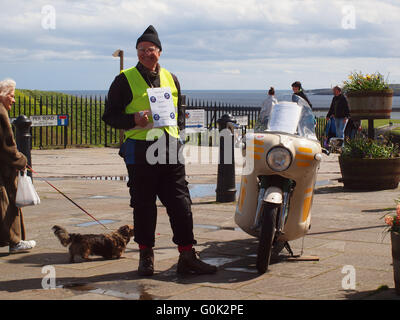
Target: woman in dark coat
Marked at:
298, 90
12, 231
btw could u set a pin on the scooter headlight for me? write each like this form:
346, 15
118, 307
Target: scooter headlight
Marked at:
279, 159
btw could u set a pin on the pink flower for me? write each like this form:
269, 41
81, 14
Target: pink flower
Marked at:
398, 210
389, 220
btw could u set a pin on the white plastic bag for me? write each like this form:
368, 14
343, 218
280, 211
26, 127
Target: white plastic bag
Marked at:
26, 193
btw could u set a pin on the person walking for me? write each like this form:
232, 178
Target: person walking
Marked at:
298, 90
150, 150
12, 229
339, 110
267, 107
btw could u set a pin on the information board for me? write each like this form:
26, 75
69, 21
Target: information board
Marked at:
194, 119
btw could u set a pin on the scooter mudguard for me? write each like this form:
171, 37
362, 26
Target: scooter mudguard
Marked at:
273, 195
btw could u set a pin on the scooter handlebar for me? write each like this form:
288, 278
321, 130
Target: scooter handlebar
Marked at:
326, 151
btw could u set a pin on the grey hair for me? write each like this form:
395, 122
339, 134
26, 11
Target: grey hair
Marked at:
6, 87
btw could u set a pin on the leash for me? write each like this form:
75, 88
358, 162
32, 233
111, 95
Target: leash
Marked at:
64, 195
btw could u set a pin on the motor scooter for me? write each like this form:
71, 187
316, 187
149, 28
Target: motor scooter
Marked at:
276, 196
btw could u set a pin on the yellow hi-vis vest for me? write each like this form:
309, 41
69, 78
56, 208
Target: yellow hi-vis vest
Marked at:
140, 101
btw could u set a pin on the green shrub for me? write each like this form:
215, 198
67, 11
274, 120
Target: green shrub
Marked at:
362, 148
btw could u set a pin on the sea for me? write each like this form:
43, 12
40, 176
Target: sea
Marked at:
250, 98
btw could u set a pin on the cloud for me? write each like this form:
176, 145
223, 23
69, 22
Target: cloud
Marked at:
231, 71
224, 37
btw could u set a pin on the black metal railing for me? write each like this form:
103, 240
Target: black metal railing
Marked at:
214, 111
85, 126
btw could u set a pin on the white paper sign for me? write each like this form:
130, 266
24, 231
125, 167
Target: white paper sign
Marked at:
162, 107
284, 117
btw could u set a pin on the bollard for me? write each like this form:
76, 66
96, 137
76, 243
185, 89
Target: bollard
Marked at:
23, 137
226, 185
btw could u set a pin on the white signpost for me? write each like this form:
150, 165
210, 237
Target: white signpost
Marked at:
47, 120
44, 121
194, 120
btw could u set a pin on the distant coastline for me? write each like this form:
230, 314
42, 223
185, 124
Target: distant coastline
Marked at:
328, 91
320, 98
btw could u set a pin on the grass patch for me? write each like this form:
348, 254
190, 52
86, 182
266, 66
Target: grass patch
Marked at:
379, 122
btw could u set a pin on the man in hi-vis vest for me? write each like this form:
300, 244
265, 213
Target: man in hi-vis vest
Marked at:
145, 101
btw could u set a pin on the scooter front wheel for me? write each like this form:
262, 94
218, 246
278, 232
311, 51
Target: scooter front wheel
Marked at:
267, 235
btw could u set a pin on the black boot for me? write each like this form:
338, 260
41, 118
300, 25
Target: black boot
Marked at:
189, 264
146, 262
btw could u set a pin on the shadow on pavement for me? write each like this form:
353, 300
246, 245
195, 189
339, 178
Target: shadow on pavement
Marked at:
385, 210
382, 293
339, 189
331, 189
41, 259
236, 262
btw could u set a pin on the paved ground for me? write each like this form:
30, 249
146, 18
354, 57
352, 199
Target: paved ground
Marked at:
346, 234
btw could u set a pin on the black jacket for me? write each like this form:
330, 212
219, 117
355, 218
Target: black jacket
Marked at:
339, 107
120, 95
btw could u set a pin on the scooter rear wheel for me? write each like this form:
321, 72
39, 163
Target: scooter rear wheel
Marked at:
267, 235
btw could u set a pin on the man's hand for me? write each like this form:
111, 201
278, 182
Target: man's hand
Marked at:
142, 118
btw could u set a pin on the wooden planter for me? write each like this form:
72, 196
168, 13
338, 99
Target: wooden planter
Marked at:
370, 104
395, 237
370, 174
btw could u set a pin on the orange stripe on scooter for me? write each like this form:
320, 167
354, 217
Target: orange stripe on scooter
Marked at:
256, 149
304, 157
242, 194
305, 150
302, 164
306, 207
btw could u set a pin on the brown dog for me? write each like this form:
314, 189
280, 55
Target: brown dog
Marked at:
110, 246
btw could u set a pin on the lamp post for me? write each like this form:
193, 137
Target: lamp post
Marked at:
120, 53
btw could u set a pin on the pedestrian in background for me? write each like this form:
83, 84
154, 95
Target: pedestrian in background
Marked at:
339, 110
267, 107
12, 229
298, 90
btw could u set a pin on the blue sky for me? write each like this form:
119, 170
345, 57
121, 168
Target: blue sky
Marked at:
208, 44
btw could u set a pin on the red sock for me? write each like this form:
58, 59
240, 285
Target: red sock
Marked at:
142, 247
185, 248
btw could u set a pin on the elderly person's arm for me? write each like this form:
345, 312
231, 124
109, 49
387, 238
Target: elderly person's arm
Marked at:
9, 154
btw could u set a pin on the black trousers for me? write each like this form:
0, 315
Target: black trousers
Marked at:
168, 182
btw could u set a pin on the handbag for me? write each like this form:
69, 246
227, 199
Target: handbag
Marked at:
26, 193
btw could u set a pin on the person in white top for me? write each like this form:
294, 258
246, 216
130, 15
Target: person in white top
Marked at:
267, 106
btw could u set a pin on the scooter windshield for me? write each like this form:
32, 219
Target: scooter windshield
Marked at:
290, 117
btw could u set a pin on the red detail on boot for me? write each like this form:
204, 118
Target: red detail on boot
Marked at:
185, 248
142, 247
